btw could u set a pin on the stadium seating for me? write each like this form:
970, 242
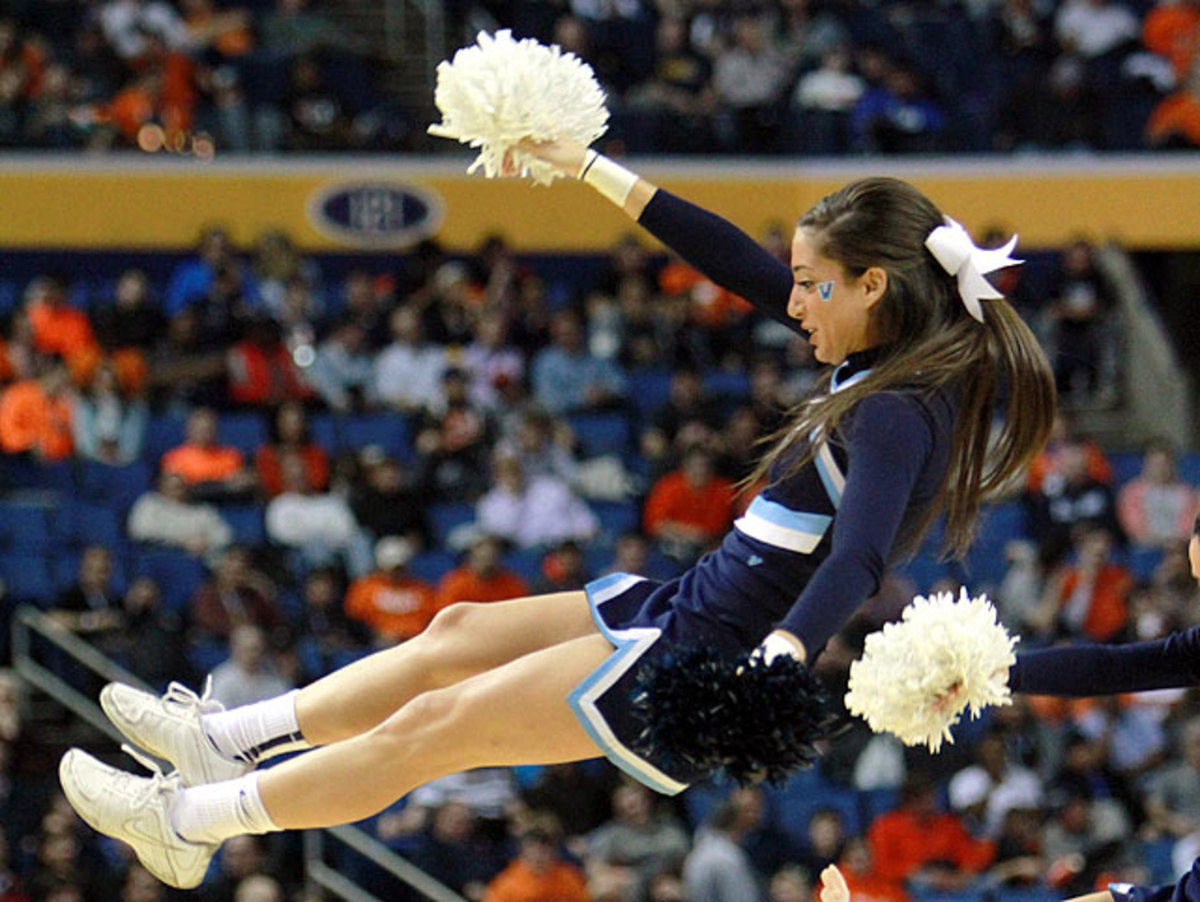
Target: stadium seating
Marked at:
177, 573
603, 433
389, 431
445, 517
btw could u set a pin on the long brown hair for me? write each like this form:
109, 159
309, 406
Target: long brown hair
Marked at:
930, 341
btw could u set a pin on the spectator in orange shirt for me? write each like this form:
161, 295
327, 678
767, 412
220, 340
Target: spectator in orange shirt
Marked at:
690, 508
1048, 461
711, 306
480, 578
261, 369
1088, 599
1175, 122
200, 461
917, 843
865, 883
35, 415
291, 437
162, 95
392, 602
57, 327
1173, 30
537, 874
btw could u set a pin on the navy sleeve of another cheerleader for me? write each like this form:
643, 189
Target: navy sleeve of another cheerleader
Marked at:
889, 442
721, 251
1088, 669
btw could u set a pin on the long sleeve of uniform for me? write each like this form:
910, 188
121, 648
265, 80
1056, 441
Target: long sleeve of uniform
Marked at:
890, 439
721, 251
1088, 669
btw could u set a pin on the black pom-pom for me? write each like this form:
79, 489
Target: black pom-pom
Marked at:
702, 711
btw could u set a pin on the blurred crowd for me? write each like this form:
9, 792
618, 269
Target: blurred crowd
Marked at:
254, 465
682, 76
852, 77
188, 78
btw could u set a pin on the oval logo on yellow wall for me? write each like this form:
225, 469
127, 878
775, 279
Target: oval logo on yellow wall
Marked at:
375, 214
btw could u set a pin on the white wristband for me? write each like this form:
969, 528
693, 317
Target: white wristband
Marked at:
611, 179
775, 646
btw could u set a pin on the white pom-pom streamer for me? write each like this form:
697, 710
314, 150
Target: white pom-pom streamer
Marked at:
917, 676
501, 91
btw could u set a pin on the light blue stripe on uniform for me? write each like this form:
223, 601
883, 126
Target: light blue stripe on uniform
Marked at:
836, 385
630, 644
781, 527
606, 587
800, 521
831, 476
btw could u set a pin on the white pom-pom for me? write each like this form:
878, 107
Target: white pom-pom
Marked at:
502, 91
917, 676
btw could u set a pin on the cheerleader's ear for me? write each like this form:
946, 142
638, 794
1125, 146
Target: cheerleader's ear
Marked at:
874, 285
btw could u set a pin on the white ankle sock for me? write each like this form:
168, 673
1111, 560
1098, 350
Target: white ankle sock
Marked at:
253, 733
216, 811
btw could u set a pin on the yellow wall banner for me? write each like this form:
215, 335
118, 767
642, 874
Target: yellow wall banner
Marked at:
377, 204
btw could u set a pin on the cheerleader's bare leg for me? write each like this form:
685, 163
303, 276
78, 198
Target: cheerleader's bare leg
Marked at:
463, 640
208, 745
514, 714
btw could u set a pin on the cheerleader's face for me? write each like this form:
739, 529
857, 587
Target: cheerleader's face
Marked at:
832, 305
1194, 556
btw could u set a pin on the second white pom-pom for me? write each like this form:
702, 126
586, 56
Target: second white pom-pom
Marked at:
501, 91
917, 676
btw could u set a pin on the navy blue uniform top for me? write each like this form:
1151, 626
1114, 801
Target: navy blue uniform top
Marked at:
813, 545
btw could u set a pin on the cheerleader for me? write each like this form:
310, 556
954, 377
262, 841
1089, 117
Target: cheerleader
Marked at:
669, 680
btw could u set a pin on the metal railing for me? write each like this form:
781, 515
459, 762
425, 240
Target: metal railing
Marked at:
1158, 397
374, 851
29, 622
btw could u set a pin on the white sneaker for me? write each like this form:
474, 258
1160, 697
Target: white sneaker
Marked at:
135, 810
169, 728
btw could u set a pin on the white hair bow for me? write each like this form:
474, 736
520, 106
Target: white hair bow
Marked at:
959, 256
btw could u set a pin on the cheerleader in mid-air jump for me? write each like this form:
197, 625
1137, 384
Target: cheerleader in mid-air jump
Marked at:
892, 295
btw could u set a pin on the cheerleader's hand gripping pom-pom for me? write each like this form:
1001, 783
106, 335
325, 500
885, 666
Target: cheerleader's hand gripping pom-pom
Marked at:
917, 676
702, 711
501, 91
